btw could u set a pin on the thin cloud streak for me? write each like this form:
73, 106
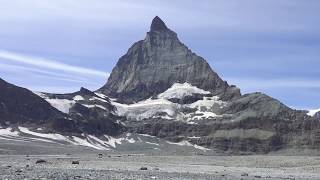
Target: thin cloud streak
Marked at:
49, 64
39, 72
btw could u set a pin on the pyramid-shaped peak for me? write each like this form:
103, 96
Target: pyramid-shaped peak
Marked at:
158, 25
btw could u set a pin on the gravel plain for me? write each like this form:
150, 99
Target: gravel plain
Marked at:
133, 161
138, 166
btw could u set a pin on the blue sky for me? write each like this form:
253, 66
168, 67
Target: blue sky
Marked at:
59, 46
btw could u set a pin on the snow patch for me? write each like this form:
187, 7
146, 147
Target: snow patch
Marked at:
156, 144
43, 135
8, 132
113, 141
313, 112
146, 109
208, 102
87, 143
186, 143
99, 99
78, 98
101, 95
62, 105
94, 106
40, 94
178, 90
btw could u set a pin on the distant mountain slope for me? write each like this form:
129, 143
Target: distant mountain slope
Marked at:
21, 106
57, 113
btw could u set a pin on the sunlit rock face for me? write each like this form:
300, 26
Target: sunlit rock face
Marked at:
154, 64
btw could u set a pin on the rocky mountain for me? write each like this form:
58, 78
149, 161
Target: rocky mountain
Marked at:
167, 91
56, 113
154, 64
20, 106
159, 95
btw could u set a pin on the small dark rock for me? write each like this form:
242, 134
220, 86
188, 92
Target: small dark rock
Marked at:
143, 168
75, 162
257, 176
100, 155
244, 174
19, 171
40, 161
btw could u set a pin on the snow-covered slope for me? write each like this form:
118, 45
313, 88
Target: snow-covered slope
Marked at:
62, 105
104, 142
313, 112
65, 104
162, 107
178, 90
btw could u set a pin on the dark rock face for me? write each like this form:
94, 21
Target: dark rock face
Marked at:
256, 124
154, 64
158, 25
19, 105
317, 115
93, 114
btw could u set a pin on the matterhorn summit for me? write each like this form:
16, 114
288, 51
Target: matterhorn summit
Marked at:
154, 64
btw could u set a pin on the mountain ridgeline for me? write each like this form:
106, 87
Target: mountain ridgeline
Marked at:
154, 64
162, 89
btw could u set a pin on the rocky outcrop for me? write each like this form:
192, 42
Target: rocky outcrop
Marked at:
154, 64
94, 114
253, 123
19, 106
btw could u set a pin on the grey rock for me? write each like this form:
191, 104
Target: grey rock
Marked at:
143, 168
40, 161
75, 162
154, 64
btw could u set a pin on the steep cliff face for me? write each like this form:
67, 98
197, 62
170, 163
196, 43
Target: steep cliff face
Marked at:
154, 64
19, 106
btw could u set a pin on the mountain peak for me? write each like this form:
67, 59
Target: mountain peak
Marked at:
158, 25
153, 65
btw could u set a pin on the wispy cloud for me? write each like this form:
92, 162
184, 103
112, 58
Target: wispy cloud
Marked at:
48, 64
39, 72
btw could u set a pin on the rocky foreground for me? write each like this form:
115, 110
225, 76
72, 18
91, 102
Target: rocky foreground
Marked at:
135, 166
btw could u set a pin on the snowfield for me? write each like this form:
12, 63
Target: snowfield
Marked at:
179, 91
103, 143
313, 112
162, 107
